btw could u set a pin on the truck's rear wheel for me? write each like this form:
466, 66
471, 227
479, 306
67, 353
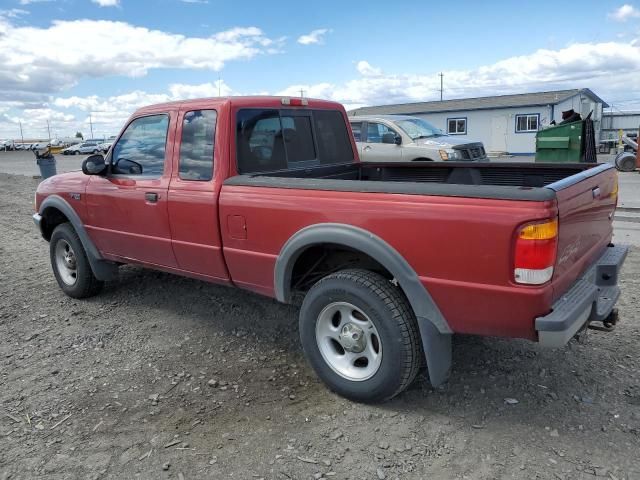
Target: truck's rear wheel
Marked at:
70, 263
360, 335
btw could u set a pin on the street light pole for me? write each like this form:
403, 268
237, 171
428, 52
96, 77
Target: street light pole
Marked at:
49, 129
91, 126
21, 136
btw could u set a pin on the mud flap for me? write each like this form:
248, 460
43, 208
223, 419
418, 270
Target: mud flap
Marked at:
437, 349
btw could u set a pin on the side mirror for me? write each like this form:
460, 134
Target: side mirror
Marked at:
126, 167
94, 165
391, 138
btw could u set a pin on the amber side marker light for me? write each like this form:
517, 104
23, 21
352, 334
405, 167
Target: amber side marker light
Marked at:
535, 252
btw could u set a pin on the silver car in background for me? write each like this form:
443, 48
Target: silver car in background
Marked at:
402, 138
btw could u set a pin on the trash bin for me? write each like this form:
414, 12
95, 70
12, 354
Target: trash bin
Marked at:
47, 166
561, 143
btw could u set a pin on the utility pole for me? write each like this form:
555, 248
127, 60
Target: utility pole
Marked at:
441, 75
301, 93
49, 129
21, 135
218, 84
91, 126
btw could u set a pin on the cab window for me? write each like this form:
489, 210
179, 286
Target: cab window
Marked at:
141, 148
375, 131
197, 145
272, 139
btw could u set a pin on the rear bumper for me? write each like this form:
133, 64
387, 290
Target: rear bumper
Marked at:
591, 298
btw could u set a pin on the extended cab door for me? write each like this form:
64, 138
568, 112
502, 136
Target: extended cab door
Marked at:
127, 208
193, 196
375, 150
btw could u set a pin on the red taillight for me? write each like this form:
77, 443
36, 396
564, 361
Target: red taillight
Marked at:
295, 102
535, 252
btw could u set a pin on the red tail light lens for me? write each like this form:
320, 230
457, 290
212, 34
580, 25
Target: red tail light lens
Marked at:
535, 252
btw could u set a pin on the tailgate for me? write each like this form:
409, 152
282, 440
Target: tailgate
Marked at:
586, 204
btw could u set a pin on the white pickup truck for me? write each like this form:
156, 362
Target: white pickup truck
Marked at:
401, 138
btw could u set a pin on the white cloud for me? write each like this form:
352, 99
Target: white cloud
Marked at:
314, 37
13, 13
107, 3
364, 68
610, 69
110, 113
624, 13
40, 61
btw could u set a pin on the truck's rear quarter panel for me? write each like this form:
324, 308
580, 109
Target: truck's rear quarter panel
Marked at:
460, 247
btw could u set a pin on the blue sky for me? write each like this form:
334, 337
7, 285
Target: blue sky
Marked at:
69, 58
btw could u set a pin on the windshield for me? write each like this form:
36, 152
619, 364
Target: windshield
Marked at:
418, 128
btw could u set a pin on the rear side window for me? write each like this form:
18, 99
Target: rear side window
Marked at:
270, 139
356, 128
197, 145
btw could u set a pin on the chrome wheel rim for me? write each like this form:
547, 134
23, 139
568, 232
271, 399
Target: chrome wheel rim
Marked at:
66, 262
348, 341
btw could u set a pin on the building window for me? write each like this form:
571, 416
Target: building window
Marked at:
527, 123
457, 126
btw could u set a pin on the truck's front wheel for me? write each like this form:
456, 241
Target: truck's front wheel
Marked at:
360, 335
70, 263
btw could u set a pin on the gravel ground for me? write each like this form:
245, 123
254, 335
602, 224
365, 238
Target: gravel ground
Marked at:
162, 377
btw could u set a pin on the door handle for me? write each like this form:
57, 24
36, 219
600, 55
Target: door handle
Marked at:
596, 192
151, 197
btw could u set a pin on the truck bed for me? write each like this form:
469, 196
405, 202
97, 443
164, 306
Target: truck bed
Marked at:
427, 212
509, 181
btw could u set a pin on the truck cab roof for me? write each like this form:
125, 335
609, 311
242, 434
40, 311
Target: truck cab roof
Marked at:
244, 101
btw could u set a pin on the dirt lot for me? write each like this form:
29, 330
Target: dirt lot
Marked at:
164, 377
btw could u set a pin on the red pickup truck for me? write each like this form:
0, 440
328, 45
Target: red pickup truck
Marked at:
389, 260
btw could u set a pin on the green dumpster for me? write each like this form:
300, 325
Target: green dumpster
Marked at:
560, 143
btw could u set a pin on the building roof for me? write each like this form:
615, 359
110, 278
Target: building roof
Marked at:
479, 103
622, 113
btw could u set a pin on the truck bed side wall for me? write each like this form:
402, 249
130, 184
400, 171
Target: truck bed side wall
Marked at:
461, 248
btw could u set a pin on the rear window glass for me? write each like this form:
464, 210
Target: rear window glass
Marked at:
271, 139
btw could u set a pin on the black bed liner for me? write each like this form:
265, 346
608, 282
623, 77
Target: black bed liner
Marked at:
508, 181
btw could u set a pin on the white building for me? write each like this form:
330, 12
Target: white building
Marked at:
613, 122
505, 123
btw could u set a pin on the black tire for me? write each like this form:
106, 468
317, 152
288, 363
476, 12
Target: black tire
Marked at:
86, 284
422, 159
95, 151
76, 152
388, 309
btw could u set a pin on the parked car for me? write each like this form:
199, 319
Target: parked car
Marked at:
104, 146
40, 145
388, 260
7, 145
401, 138
82, 148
